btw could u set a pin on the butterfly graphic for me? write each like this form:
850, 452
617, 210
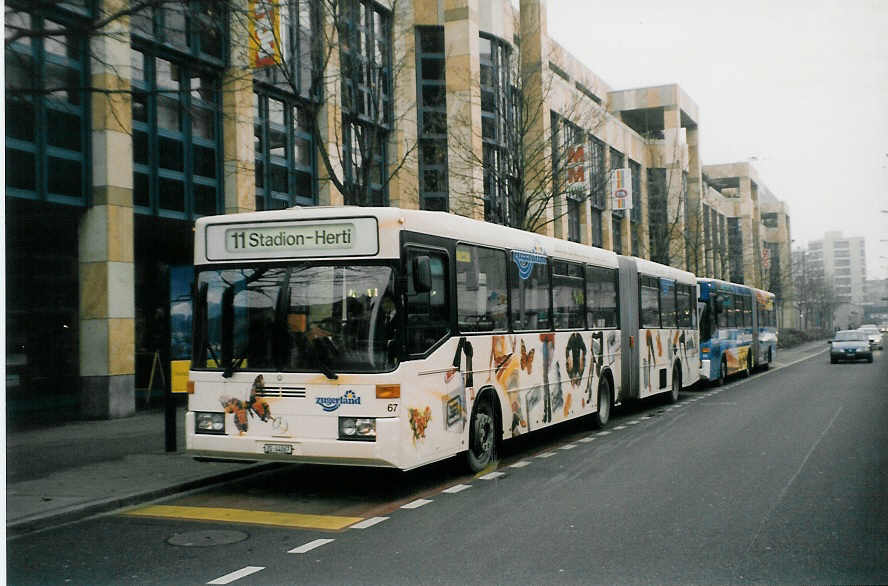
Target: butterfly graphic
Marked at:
526, 358
242, 410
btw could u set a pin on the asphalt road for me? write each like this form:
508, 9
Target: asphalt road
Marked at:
779, 478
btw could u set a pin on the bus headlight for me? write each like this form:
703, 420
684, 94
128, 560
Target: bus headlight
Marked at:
209, 422
357, 428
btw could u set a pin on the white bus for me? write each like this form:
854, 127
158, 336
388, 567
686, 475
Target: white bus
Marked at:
388, 337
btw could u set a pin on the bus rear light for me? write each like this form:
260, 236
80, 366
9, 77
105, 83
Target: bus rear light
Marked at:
189, 388
388, 391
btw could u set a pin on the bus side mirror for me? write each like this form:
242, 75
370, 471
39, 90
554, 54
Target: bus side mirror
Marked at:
422, 274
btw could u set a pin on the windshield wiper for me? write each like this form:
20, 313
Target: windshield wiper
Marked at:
232, 366
322, 347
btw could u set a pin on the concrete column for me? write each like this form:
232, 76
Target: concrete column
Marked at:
107, 275
607, 226
674, 148
750, 246
644, 242
403, 147
463, 73
237, 123
694, 203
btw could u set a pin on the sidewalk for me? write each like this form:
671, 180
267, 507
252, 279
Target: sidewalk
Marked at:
62, 473
73, 470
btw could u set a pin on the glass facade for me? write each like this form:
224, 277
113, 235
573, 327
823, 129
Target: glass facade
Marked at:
284, 152
431, 101
498, 120
47, 109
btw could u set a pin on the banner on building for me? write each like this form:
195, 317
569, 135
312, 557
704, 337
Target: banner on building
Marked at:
265, 33
575, 168
621, 189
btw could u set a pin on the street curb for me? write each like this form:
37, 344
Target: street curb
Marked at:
79, 512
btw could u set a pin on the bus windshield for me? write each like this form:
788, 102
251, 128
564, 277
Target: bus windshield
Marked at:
303, 317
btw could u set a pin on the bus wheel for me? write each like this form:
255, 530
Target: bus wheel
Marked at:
482, 437
672, 395
748, 370
722, 374
767, 364
602, 415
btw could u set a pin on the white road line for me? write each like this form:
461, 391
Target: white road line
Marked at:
229, 578
492, 475
546, 455
416, 504
568, 447
520, 464
586, 440
310, 545
368, 522
456, 488
619, 427
603, 433
633, 422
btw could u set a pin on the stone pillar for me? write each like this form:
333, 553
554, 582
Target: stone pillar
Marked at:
674, 147
644, 225
750, 246
237, 123
403, 146
694, 203
463, 73
107, 275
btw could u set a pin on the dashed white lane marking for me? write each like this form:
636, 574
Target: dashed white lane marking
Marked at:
416, 504
310, 545
619, 427
633, 422
520, 464
492, 475
546, 455
368, 522
229, 578
603, 433
456, 488
568, 447
586, 440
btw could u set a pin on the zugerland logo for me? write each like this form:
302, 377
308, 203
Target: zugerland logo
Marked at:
332, 403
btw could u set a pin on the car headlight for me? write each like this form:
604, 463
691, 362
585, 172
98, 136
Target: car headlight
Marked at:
209, 422
357, 428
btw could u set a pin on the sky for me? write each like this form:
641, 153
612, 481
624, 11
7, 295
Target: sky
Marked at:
799, 88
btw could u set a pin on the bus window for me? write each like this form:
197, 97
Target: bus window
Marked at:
601, 297
650, 302
723, 309
747, 311
706, 323
529, 291
683, 306
568, 297
667, 303
428, 313
481, 292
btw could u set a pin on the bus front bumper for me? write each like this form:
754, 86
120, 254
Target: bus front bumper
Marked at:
384, 452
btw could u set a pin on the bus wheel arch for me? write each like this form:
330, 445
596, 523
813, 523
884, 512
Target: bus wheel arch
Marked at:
485, 430
601, 417
672, 395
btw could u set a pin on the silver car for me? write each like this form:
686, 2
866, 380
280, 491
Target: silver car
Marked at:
874, 336
850, 345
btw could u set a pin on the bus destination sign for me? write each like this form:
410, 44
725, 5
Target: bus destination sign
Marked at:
354, 236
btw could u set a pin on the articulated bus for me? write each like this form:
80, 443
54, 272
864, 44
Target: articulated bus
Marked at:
738, 329
395, 338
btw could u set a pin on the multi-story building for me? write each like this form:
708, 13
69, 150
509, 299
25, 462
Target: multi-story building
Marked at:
123, 127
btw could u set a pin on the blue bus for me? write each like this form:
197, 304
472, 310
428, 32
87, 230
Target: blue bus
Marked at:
738, 329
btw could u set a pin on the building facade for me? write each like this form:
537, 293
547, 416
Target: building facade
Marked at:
123, 127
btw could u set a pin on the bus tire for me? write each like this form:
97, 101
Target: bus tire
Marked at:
722, 373
605, 400
672, 395
482, 436
748, 370
767, 364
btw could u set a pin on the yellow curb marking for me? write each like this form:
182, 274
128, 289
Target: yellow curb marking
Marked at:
298, 520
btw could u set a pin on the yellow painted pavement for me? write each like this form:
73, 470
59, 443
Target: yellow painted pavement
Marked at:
295, 520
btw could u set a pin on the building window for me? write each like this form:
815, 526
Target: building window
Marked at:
769, 220
497, 124
595, 226
284, 153
598, 179
658, 225
365, 65
635, 211
432, 118
617, 162
569, 171
297, 66
198, 28
46, 110
177, 142
709, 253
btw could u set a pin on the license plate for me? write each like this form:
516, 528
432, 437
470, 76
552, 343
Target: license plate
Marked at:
278, 449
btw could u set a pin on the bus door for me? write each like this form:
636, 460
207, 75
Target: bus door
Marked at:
755, 349
629, 321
